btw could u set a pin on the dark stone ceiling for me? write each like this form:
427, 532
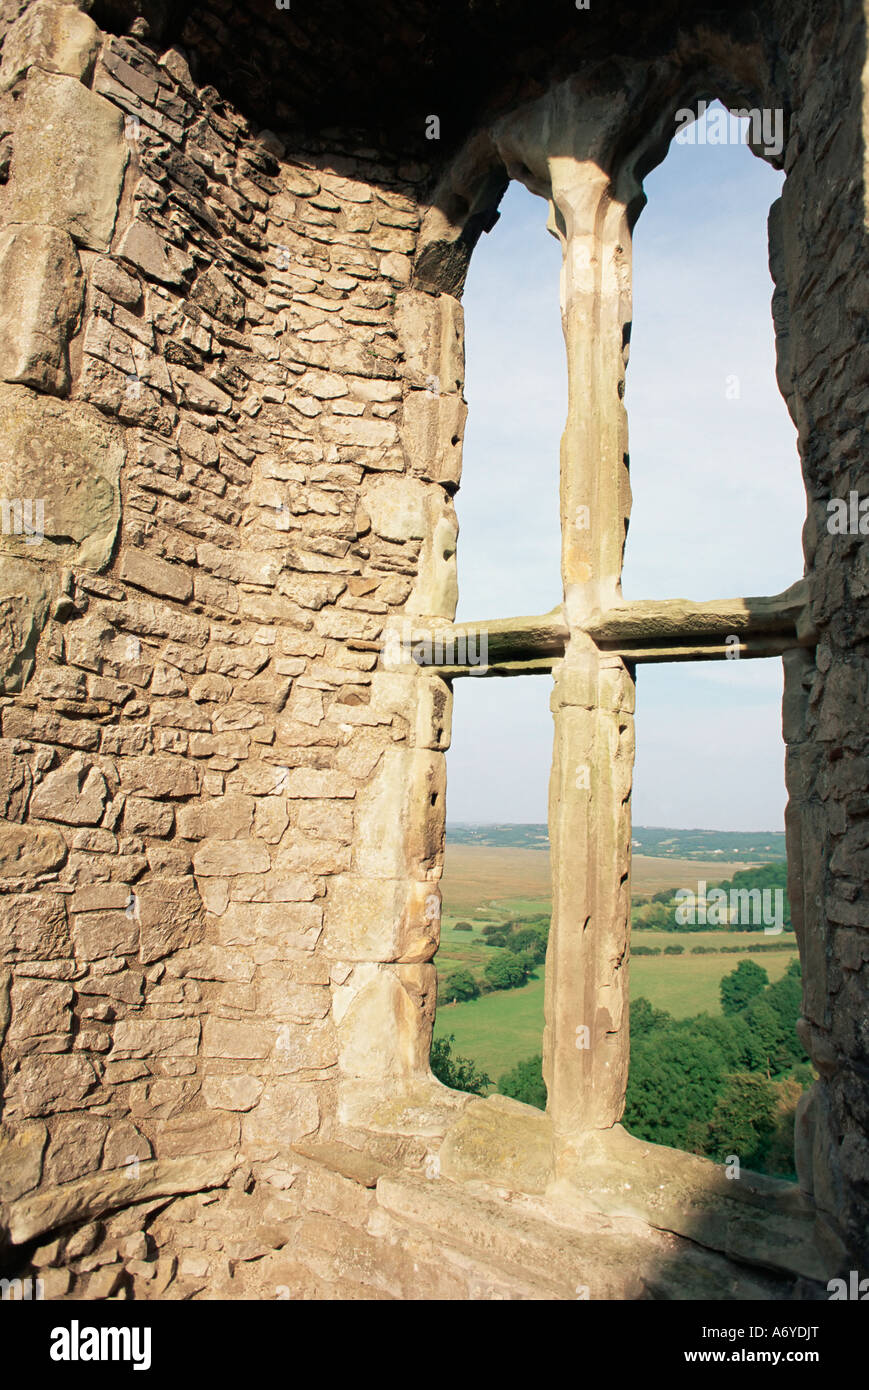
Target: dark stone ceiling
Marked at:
382, 66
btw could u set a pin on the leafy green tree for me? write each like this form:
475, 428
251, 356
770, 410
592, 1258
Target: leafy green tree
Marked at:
460, 1073
731, 1035
742, 984
459, 985
674, 1080
772, 1045
659, 918
743, 1120
786, 997
531, 941
498, 938
525, 1082
644, 1017
779, 1158
506, 971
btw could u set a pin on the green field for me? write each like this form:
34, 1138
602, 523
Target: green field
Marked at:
506, 1026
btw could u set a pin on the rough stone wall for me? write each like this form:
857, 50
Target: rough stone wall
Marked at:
208, 384
818, 242
240, 399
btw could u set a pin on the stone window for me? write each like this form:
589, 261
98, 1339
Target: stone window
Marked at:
593, 641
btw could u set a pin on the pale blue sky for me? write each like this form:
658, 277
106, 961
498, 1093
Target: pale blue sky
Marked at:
718, 502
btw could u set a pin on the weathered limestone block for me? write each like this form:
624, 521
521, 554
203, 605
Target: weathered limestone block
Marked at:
70, 155
26, 850
97, 935
39, 1007
157, 259
156, 576
144, 817
75, 794
153, 1037
422, 699
287, 1111
400, 817
217, 295
75, 1147
67, 457
378, 1032
125, 1140
271, 819
432, 429
234, 1040
430, 332
41, 297
199, 1132
275, 931
500, 1141
846, 688
238, 1093
159, 777
222, 858
381, 919
101, 897
21, 1154
206, 962
309, 782
16, 781
384, 1019
397, 507
55, 37
436, 591
228, 817
288, 1002
301, 856
170, 915
334, 1195
763, 1220
45, 1084
197, 392
33, 926
23, 610
87, 1198
311, 1048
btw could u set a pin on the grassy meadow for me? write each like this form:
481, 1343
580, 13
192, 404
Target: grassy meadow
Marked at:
484, 884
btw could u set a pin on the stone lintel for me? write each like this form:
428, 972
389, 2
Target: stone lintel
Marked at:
654, 622
648, 630
506, 642
772, 644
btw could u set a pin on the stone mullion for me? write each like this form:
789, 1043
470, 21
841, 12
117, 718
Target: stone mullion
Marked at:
585, 1044
586, 1040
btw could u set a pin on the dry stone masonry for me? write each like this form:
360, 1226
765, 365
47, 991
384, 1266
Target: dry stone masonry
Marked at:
231, 418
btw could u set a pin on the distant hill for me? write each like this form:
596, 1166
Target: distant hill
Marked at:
732, 846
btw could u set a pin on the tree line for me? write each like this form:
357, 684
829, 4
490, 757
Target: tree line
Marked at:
716, 1085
